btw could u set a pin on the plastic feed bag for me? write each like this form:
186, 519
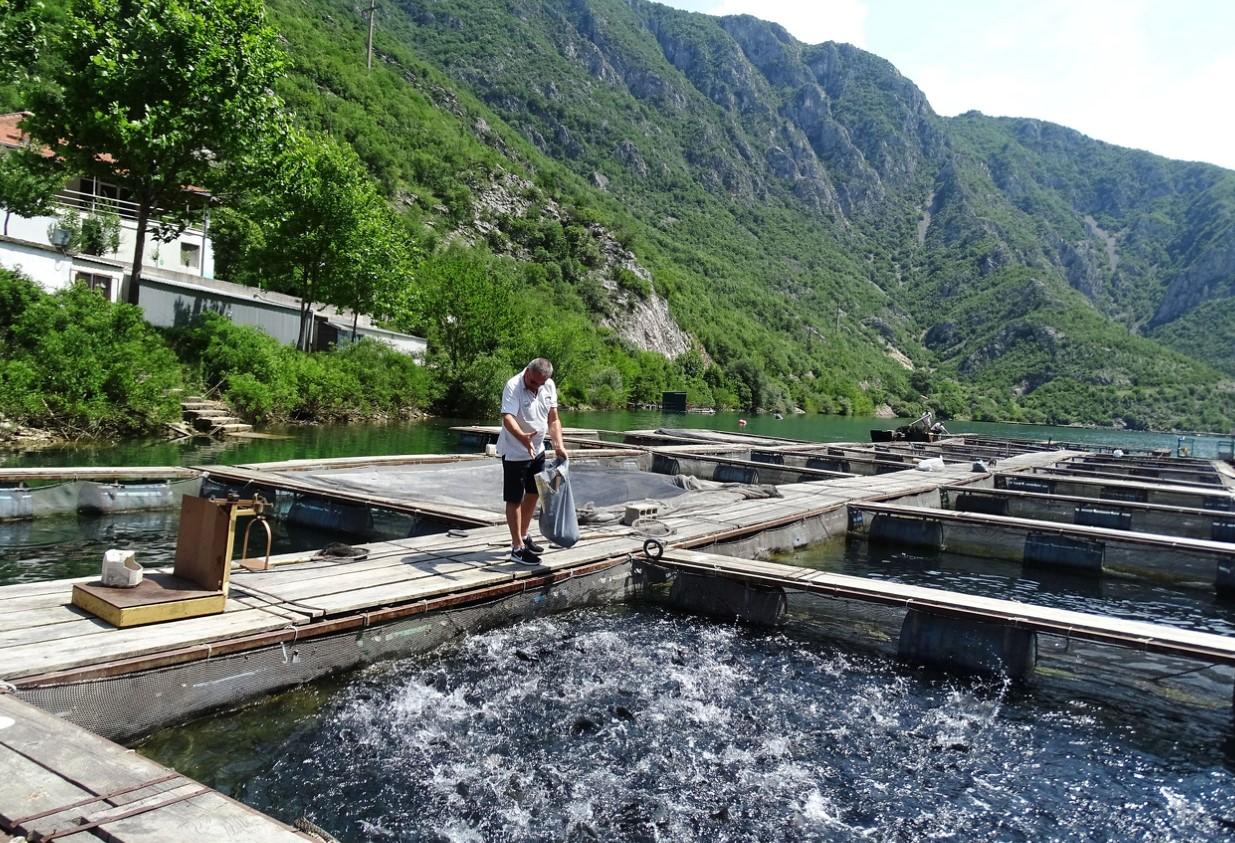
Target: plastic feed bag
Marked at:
558, 521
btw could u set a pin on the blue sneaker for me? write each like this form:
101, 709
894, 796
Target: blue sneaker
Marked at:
528, 544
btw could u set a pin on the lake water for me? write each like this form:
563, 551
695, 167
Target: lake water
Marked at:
1128, 597
633, 723
433, 436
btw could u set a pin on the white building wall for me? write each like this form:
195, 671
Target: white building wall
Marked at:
157, 254
53, 270
33, 229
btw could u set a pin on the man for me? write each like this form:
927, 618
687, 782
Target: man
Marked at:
529, 410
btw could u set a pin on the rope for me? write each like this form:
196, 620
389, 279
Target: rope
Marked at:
651, 527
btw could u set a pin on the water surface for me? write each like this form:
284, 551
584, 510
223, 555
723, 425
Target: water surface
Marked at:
1121, 596
639, 724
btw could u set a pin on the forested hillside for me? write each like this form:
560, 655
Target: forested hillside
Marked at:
659, 199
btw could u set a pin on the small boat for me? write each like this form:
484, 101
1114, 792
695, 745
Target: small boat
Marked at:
923, 429
905, 433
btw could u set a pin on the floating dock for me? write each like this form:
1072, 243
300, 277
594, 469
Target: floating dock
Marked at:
718, 505
63, 783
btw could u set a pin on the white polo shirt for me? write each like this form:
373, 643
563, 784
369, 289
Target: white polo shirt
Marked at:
532, 411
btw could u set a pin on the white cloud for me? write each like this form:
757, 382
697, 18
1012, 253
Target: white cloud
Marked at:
1097, 67
1137, 73
810, 22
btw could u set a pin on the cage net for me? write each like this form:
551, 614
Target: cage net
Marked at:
132, 704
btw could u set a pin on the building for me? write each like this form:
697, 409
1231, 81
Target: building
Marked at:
27, 243
178, 279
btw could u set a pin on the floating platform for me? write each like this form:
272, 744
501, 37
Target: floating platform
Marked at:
1075, 548
61, 782
309, 614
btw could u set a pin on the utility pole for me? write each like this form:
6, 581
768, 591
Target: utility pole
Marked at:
372, 13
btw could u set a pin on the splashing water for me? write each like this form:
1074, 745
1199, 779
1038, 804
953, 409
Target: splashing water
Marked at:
639, 724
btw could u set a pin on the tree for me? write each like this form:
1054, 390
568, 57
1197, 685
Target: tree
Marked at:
469, 305
152, 94
20, 39
25, 190
313, 225
94, 234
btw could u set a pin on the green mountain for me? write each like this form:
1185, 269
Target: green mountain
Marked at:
792, 223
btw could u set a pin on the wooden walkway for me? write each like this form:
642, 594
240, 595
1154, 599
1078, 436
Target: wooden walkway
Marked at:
43, 635
47, 643
97, 473
63, 783
1156, 638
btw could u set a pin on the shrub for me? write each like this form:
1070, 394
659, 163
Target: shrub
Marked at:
268, 381
76, 363
632, 283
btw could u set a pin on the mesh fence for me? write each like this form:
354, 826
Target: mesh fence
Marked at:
134, 703
479, 484
1179, 692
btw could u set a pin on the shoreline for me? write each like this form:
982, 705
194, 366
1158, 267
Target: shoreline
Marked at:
17, 438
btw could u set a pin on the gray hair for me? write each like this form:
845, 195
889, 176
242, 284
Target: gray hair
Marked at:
541, 366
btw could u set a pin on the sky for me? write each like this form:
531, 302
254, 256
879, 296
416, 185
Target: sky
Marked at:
1157, 75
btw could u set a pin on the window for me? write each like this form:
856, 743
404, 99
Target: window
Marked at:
99, 283
190, 255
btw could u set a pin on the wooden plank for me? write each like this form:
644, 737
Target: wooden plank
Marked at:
1005, 521
1058, 471
357, 462
32, 659
1086, 479
76, 627
455, 513
41, 616
307, 592
211, 816
204, 543
72, 764
27, 788
407, 591
381, 554
1137, 634
1078, 499
39, 590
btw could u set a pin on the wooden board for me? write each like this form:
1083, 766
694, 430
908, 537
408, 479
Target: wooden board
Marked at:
1174, 543
158, 598
47, 656
467, 516
1136, 634
204, 543
50, 763
153, 472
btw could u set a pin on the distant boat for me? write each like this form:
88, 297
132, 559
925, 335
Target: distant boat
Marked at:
777, 415
907, 433
924, 429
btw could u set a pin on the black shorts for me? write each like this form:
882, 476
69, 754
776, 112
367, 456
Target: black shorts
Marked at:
519, 477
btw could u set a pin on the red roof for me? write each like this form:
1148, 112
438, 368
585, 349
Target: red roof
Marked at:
10, 134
